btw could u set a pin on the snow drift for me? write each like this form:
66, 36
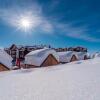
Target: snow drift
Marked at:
74, 81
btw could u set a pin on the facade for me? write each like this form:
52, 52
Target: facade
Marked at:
73, 58
80, 49
41, 58
19, 51
60, 49
49, 61
76, 49
14, 50
3, 67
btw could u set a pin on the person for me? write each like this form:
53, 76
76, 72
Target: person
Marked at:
13, 62
18, 62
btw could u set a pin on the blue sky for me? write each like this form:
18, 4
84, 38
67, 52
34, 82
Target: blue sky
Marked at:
60, 23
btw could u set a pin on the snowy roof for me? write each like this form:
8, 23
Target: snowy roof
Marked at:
38, 56
5, 59
65, 56
81, 55
97, 54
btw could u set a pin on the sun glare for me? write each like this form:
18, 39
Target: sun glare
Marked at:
25, 23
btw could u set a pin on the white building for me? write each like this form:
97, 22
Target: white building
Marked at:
42, 57
97, 54
69, 56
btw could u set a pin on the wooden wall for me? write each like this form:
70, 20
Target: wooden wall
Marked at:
74, 58
29, 66
85, 57
49, 61
3, 68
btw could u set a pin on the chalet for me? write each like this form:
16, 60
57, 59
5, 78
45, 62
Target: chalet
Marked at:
41, 58
16, 51
76, 49
82, 55
70, 49
19, 51
80, 49
70, 56
97, 54
5, 61
66, 57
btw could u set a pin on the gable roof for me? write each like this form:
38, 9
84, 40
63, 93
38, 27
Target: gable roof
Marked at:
5, 59
66, 56
81, 55
38, 56
97, 54
4, 66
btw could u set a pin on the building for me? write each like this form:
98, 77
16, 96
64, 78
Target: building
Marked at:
19, 51
16, 50
80, 49
66, 57
60, 49
70, 56
41, 58
82, 55
97, 54
5, 61
77, 49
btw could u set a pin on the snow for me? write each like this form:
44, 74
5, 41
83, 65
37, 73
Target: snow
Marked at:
73, 81
38, 56
65, 56
97, 54
5, 59
81, 55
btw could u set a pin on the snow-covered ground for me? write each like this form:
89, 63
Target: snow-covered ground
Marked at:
75, 81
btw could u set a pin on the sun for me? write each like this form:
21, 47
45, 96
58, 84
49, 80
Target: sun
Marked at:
25, 23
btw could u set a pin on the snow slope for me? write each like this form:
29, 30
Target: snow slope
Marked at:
74, 81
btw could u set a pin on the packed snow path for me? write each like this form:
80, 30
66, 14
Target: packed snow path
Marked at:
75, 81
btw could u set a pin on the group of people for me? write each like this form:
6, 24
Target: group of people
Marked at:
16, 62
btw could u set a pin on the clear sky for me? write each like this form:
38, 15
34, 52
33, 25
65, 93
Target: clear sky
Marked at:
60, 23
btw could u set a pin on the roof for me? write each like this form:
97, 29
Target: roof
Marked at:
80, 55
97, 54
5, 59
38, 56
65, 56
